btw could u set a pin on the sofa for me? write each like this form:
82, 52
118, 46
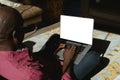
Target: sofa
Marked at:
30, 14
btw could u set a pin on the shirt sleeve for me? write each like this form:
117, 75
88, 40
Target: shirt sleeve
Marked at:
66, 76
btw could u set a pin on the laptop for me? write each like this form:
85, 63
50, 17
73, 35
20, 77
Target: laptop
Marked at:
77, 31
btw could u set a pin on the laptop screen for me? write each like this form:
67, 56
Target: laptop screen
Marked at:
76, 29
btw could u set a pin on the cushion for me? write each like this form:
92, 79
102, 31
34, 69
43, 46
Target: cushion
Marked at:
29, 11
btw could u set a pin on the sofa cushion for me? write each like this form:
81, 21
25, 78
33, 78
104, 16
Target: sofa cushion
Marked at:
29, 11
34, 20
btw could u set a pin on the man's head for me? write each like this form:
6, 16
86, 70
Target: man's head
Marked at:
10, 22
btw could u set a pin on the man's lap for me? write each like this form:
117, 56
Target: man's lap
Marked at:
88, 63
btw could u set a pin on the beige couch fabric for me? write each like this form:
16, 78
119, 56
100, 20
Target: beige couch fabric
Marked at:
29, 11
31, 14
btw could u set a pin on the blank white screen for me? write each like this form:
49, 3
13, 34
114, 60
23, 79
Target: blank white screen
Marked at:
77, 29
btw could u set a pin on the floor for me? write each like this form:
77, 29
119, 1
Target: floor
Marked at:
113, 51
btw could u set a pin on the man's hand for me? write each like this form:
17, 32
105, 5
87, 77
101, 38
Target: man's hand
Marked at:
68, 55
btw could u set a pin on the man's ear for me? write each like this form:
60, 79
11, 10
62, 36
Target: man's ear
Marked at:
15, 40
18, 35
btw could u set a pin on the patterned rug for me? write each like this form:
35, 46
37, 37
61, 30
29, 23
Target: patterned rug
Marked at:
113, 53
